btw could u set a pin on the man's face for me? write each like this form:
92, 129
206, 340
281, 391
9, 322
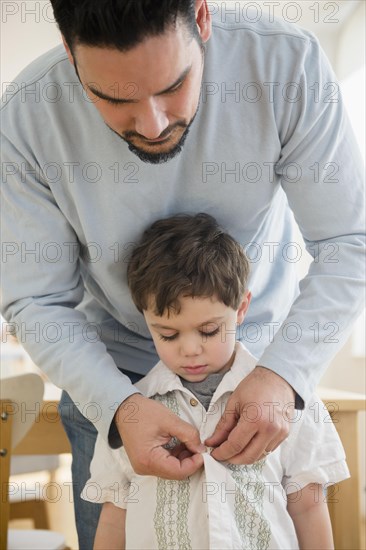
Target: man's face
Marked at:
148, 95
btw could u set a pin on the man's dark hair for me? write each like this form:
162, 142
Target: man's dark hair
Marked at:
120, 24
186, 255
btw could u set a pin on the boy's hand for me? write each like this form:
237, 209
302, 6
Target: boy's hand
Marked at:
256, 418
145, 426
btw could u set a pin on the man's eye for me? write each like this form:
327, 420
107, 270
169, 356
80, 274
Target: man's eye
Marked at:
176, 89
212, 333
167, 338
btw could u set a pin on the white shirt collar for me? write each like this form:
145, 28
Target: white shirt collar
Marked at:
161, 380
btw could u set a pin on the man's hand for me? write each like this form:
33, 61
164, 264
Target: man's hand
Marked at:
145, 426
255, 420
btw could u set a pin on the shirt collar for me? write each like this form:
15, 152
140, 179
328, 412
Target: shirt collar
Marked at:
161, 380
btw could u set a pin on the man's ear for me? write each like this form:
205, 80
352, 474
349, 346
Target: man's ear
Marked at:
243, 308
68, 51
203, 20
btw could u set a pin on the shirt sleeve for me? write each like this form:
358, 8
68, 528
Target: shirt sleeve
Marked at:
42, 285
322, 175
314, 452
110, 476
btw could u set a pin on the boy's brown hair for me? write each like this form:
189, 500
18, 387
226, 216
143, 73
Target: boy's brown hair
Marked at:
186, 255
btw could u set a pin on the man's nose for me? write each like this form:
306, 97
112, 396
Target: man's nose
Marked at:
151, 120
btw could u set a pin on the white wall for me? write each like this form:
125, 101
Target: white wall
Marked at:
27, 30
351, 51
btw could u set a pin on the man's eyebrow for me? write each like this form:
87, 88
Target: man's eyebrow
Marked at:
179, 80
114, 99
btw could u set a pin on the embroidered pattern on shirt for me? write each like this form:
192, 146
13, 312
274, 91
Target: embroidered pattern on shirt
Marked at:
172, 499
254, 529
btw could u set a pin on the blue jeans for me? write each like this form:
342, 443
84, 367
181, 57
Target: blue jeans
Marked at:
82, 435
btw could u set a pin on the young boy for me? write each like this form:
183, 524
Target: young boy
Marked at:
189, 279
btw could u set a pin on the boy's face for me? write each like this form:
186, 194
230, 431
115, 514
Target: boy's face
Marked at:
200, 339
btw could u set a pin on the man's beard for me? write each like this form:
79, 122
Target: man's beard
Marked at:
158, 158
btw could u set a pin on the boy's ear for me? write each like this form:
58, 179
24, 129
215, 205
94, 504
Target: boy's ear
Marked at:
243, 308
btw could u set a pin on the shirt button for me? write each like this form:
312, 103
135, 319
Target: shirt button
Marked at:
193, 402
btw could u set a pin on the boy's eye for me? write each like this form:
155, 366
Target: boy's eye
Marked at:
212, 333
168, 338
112, 101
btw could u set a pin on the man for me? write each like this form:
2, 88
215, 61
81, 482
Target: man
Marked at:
152, 112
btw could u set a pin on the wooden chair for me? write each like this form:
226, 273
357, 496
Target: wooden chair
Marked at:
27, 428
344, 500
31, 504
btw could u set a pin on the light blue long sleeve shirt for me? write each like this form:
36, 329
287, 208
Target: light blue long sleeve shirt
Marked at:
270, 143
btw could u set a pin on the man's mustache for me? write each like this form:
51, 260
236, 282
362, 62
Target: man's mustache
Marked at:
130, 134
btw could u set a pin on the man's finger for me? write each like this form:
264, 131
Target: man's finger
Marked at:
250, 445
237, 441
187, 435
225, 425
167, 466
258, 448
178, 450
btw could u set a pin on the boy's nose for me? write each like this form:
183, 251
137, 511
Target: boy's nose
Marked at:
191, 347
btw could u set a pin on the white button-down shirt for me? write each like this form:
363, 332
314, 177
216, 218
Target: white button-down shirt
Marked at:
221, 507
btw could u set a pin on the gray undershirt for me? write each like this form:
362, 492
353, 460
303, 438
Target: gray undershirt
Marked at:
204, 390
